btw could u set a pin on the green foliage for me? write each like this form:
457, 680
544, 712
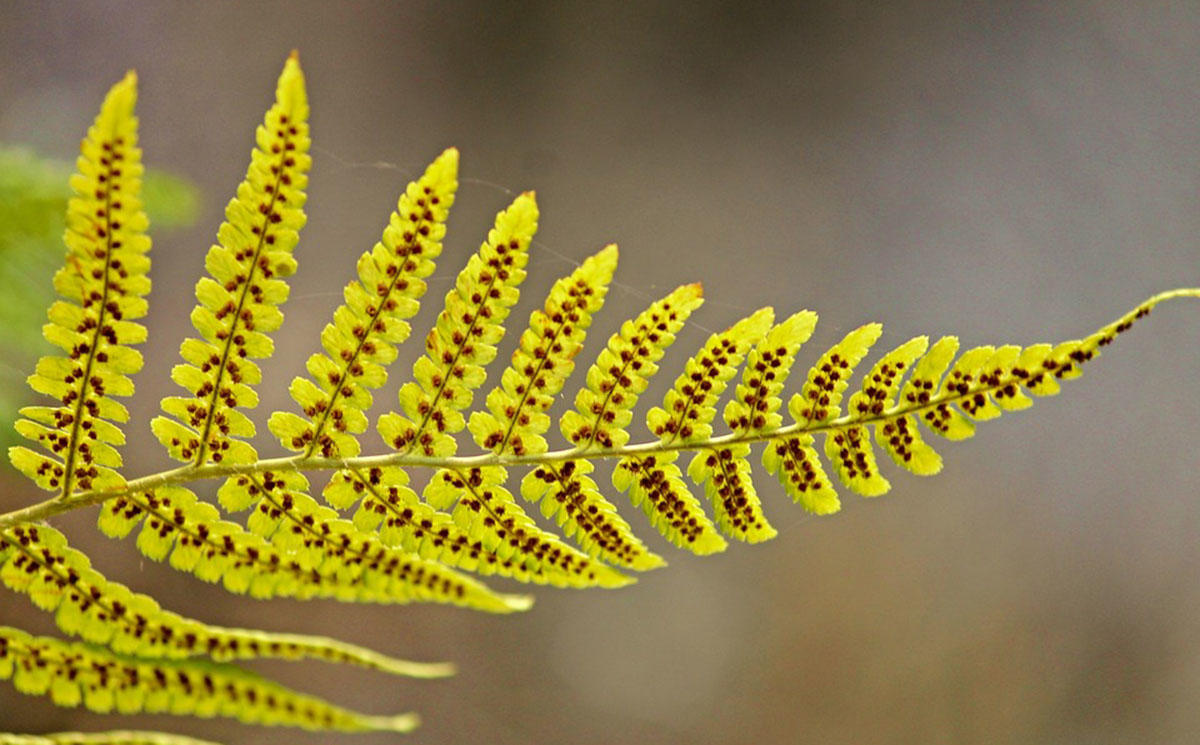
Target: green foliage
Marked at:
374, 539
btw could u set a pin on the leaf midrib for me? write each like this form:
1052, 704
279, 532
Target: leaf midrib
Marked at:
86, 381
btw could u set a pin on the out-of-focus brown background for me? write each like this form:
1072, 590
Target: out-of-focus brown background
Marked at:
1009, 172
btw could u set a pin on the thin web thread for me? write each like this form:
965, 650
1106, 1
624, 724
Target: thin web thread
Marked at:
645, 293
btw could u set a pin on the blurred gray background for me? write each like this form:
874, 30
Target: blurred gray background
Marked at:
1008, 172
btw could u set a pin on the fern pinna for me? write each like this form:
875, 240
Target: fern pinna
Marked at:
374, 533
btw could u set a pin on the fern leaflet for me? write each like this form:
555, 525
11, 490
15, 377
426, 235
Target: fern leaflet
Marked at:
75, 674
103, 284
238, 302
36, 561
361, 340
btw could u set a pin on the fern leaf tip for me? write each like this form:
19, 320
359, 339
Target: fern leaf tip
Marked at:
518, 602
399, 723
418, 670
615, 581
290, 88
432, 670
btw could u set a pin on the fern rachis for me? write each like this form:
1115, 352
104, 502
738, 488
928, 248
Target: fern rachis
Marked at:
376, 539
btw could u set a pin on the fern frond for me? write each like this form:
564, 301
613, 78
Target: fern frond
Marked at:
602, 412
569, 495
103, 284
399, 547
362, 338
725, 471
457, 348
901, 436
820, 399
464, 338
388, 507
487, 532
688, 409
656, 484
517, 418
175, 525
793, 459
239, 301
119, 737
604, 408
61, 580
756, 405
948, 396
75, 674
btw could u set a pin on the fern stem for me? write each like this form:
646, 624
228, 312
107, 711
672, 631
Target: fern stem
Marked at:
192, 472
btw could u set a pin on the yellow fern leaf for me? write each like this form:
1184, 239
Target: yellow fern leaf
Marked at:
319, 540
464, 339
544, 360
364, 333
75, 674
61, 580
487, 511
239, 301
103, 284
850, 449
389, 508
